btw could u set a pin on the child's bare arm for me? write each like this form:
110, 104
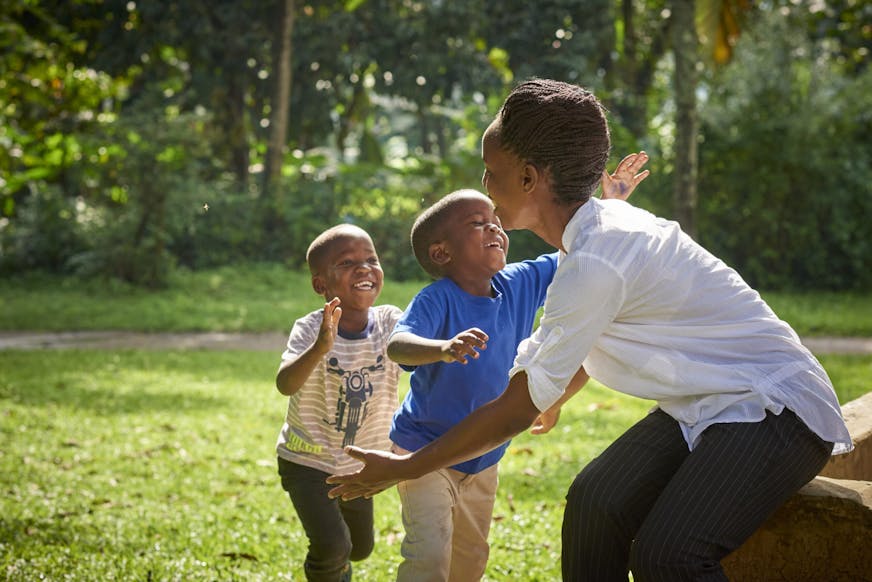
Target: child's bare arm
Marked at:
625, 179
293, 374
409, 349
548, 419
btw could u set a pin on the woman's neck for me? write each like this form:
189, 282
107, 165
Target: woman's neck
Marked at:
554, 220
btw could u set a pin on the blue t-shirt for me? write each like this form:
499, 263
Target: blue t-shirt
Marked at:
442, 394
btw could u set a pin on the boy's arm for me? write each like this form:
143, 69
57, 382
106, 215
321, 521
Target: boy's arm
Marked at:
625, 179
409, 349
548, 419
292, 374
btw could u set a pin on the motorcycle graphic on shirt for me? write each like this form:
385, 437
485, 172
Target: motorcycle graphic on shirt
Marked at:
354, 390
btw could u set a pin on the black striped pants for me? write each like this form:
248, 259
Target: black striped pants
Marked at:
649, 505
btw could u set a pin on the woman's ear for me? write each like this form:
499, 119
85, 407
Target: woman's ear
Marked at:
530, 177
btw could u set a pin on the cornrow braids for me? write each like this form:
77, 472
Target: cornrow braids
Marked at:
560, 128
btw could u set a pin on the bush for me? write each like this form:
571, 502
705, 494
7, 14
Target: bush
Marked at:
44, 235
785, 166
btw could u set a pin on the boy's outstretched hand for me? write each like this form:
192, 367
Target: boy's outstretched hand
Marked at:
464, 345
626, 177
380, 471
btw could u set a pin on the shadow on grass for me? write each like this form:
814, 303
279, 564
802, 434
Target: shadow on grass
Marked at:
30, 536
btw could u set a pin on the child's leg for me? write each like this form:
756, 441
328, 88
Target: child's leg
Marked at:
472, 520
427, 519
736, 476
359, 519
331, 542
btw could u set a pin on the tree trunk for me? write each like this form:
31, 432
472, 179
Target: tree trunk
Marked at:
685, 49
278, 135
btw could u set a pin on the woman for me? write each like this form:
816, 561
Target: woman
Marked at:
746, 415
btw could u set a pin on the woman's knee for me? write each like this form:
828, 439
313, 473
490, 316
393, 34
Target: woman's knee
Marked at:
664, 557
588, 496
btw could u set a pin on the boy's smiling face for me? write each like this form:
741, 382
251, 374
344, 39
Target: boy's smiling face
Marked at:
475, 245
350, 271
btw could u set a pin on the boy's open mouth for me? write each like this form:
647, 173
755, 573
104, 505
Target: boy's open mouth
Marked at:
364, 285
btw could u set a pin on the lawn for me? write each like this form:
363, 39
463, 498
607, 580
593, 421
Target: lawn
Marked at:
160, 465
125, 465
268, 297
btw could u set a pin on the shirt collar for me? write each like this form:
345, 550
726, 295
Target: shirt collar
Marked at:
361, 334
585, 217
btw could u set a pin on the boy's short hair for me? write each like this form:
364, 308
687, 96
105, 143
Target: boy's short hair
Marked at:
430, 227
560, 128
319, 249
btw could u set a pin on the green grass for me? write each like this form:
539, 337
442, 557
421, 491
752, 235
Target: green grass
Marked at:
132, 465
230, 299
124, 465
161, 465
268, 297
824, 313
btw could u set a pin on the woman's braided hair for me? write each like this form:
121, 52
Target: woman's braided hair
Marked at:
560, 128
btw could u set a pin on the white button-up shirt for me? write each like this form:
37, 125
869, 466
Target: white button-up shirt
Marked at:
651, 313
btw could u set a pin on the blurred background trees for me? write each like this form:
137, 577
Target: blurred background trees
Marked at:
140, 137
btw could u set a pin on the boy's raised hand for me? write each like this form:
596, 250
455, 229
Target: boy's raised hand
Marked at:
329, 325
625, 179
465, 344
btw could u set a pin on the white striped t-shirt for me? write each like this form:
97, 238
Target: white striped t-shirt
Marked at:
349, 399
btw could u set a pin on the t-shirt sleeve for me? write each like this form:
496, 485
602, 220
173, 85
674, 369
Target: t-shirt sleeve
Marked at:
421, 316
303, 335
392, 315
582, 301
546, 267
529, 280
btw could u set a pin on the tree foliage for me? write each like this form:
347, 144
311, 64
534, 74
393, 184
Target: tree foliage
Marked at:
786, 180
134, 137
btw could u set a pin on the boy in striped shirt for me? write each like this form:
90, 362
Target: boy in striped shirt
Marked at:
342, 390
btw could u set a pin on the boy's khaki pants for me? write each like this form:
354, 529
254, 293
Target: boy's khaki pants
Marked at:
447, 516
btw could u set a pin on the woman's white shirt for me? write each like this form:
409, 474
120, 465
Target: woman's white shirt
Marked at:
651, 313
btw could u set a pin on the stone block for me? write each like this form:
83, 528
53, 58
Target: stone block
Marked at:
824, 532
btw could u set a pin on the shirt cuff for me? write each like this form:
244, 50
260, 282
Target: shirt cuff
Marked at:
532, 354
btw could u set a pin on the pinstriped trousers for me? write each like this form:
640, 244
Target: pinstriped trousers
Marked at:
650, 506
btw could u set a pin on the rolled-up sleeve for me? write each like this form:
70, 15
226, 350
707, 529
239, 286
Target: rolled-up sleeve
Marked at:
582, 301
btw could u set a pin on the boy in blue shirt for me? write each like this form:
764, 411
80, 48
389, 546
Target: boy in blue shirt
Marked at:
475, 313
